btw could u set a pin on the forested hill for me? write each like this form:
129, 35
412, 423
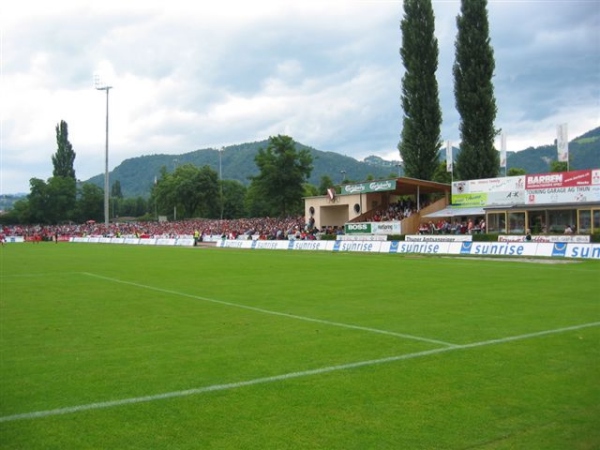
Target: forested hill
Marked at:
137, 175
584, 153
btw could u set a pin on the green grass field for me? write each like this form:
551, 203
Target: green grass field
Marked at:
126, 347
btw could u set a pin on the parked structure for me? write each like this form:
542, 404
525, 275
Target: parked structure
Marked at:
547, 203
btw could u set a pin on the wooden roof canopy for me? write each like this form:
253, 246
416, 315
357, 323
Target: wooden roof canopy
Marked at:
412, 186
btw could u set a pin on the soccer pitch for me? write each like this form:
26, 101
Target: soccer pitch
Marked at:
131, 347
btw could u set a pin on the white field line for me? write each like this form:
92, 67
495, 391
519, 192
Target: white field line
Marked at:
273, 313
287, 376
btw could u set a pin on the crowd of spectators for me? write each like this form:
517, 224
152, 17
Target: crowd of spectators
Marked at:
396, 211
445, 226
292, 227
261, 228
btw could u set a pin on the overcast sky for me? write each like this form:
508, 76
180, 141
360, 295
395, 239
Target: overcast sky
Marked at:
192, 75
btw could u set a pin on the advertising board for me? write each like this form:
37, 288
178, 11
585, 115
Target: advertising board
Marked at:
374, 186
383, 228
573, 178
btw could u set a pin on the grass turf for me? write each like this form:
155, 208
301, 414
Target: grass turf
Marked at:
268, 339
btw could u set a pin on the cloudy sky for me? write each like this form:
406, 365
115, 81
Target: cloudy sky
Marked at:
191, 75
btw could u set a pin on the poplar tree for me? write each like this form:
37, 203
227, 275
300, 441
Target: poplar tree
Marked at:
64, 157
420, 140
474, 93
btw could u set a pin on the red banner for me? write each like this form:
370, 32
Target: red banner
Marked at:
559, 179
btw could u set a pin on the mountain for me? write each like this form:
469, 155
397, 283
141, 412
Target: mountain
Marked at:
137, 175
236, 162
584, 153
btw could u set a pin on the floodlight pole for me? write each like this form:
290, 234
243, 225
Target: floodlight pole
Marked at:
221, 180
106, 188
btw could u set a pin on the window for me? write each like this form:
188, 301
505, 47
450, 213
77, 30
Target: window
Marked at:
516, 222
560, 218
584, 226
537, 222
496, 223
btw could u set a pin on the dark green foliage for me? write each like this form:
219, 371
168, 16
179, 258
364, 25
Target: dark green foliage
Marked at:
514, 171
326, 183
255, 204
64, 157
396, 237
283, 171
328, 237
129, 207
234, 194
558, 166
63, 192
51, 202
485, 237
441, 175
90, 205
191, 190
474, 93
115, 190
310, 190
39, 199
420, 95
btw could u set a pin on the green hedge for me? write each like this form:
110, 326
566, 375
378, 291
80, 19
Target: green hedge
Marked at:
492, 237
327, 237
396, 237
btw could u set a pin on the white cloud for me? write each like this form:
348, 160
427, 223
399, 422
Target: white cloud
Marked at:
187, 76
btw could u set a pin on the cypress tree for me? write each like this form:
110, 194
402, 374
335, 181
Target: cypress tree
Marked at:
474, 93
420, 140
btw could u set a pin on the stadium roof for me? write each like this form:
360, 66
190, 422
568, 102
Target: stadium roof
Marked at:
413, 186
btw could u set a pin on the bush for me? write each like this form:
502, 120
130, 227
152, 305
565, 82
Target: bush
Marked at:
326, 237
396, 237
491, 237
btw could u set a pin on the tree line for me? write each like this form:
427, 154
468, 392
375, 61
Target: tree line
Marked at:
186, 192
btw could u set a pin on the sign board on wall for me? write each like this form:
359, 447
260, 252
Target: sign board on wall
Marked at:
504, 184
577, 186
562, 179
580, 194
489, 199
